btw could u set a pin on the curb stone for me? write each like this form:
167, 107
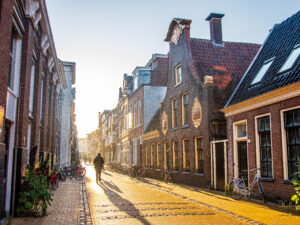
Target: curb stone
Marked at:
85, 215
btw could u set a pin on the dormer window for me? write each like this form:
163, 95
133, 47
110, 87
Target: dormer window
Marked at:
262, 71
291, 59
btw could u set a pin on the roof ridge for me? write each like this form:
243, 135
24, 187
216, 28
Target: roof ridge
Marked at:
234, 42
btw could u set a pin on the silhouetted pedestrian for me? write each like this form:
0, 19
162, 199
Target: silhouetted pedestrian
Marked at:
98, 164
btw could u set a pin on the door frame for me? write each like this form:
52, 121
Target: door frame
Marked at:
213, 164
237, 139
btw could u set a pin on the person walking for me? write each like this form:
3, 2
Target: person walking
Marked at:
98, 164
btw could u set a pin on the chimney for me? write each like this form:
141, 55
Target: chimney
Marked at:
215, 27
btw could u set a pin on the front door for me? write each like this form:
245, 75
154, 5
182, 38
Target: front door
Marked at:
243, 160
220, 166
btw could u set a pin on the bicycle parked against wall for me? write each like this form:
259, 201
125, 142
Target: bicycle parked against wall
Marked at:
137, 171
167, 176
238, 187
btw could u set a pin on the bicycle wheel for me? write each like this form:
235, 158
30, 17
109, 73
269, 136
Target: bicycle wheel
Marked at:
232, 193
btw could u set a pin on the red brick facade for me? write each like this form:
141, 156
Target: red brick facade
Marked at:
207, 79
276, 188
36, 50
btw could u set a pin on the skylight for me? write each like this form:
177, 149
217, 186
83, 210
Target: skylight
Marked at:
291, 59
262, 71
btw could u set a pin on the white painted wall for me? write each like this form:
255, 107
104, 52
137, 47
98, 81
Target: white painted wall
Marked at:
153, 95
67, 99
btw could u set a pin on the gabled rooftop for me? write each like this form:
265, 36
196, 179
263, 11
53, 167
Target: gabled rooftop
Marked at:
278, 48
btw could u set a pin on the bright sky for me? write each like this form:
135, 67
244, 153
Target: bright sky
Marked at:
107, 38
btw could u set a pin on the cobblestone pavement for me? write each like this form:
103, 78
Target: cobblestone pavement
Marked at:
66, 207
118, 199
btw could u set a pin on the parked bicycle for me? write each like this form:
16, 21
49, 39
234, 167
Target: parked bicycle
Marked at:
137, 171
238, 188
167, 176
54, 178
78, 171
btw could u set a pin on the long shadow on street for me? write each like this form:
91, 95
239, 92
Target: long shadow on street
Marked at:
118, 201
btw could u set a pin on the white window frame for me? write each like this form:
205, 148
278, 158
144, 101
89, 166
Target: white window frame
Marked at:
31, 95
257, 146
287, 61
235, 149
284, 143
259, 75
178, 81
15, 71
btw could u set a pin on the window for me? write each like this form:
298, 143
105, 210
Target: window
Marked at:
158, 155
262, 71
130, 117
31, 89
152, 156
178, 75
135, 82
241, 131
184, 101
146, 156
175, 156
174, 113
291, 59
139, 111
264, 133
199, 162
186, 155
41, 102
13, 60
166, 156
292, 128
134, 115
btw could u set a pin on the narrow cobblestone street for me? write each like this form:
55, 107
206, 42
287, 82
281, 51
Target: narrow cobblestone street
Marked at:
119, 199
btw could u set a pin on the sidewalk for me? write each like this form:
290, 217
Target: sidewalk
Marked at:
67, 207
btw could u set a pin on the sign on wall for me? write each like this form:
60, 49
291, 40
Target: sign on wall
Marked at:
196, 113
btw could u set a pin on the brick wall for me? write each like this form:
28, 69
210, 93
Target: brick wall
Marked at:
276, 189
159, 77
177, 55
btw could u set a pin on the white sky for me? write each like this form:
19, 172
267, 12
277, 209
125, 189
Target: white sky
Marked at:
107, 38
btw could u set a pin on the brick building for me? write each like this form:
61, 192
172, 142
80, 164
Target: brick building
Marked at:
31, 77
189, 129
263, 113
109, 125
141, 104
122, 143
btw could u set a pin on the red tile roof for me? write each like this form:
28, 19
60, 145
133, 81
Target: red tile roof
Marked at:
226, 64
